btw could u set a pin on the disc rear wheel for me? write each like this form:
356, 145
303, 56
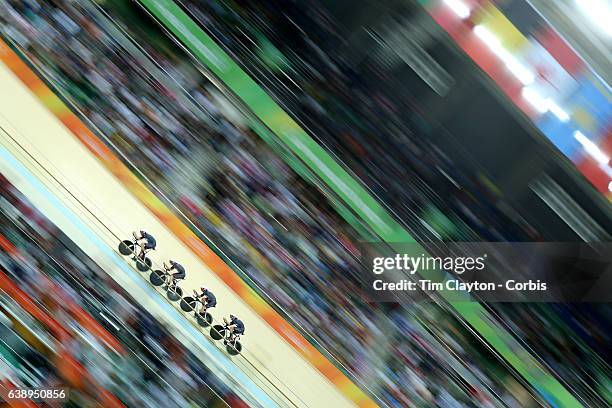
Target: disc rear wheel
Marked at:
204, 320
174, 293
235, 349
143, 266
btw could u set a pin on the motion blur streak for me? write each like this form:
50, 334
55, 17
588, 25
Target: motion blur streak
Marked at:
351, 191
412, 142
111, 201
183, 233
93, 245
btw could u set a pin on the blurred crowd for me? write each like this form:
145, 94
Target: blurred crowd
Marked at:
348, 107
375, 134
280, 230
152, 368
288, 241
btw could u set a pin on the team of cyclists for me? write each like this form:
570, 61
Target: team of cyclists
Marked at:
176, 272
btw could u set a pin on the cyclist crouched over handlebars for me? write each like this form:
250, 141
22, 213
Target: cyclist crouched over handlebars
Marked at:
206, 298
146, 242
235, 327
178, 274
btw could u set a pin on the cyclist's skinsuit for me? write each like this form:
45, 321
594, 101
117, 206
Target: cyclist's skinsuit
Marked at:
180, 271
211, 300
239, 326
151, 243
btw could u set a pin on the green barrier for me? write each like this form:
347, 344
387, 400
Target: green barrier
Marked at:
348, 189
307, 175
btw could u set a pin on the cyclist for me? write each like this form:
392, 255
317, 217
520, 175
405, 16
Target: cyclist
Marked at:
206, 298
236, 328
145, 241
178, 274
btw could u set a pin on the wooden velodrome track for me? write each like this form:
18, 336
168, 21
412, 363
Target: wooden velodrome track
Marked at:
76, 178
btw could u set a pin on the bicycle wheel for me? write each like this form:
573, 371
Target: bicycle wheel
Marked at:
188, 304
157, 278
126, 247
217, 332
235, 349
174, 293
204, 320
143, 266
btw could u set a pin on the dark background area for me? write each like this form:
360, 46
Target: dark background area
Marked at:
475, 123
